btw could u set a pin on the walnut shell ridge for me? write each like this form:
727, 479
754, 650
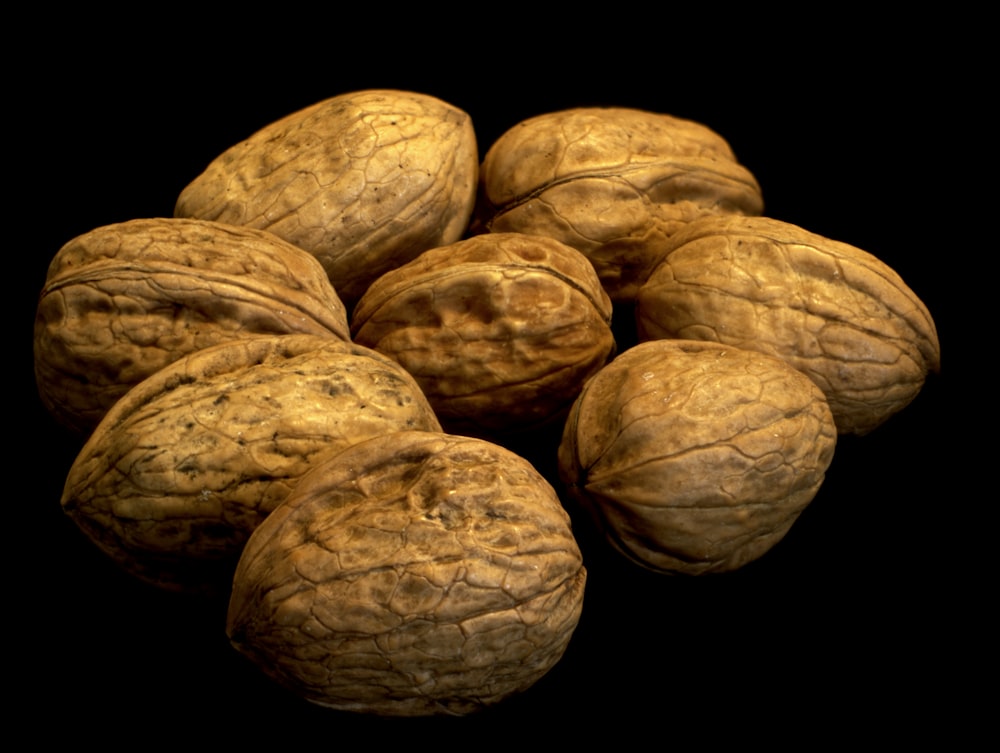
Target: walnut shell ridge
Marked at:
835, 312
694, 457
364, 181
124, 300
614, 183
414, 574
183, 468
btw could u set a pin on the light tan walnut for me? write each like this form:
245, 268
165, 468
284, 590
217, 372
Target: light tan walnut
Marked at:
500, 330
694, 457
414, 574
122, 301
192, 459
835, 312
364, 181
614, 183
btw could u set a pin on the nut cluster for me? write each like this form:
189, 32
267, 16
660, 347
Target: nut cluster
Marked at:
312, 387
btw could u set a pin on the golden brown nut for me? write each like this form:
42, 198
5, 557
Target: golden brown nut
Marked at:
364, 181
500, 330
614, 183
413, 574
695, 457
122, 301
188, 462
835, 312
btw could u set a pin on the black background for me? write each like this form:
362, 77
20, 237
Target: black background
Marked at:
849, 624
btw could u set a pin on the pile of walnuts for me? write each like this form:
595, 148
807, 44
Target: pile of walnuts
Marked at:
309, 389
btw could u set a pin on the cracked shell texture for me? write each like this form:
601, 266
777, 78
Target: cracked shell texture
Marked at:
500, 330
694, 457
614, 183
364, 181
192, 459
414, 574
835, 312
122, 301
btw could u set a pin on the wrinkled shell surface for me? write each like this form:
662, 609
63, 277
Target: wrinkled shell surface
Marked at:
190, 461
614, 183
500, 330
835, 312
694, 457
364, 181
124, 300
413, 574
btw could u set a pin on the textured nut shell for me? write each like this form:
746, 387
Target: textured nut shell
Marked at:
833, 311
500, 330
124, 300
614, 183
694, 457
412, 574
188, 463
364, 181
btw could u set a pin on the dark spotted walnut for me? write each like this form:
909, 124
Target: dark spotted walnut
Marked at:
192, 459
122, 301
614, 183
694, 457
833, 311
414, 574
364, 181
500, 330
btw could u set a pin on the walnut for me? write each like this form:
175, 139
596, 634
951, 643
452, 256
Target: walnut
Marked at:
835, 312
614, 183
500, 330
364, 181
694, 457
413, 574
192, 459
122, 301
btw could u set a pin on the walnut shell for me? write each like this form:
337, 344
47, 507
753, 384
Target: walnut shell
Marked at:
614, 183
122, 301
414, 574
500, 330
364, 181
694, 457
835, 312
192, 459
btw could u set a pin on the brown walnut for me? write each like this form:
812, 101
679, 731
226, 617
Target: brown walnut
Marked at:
614, 183
413, 574
694, 457
500, 330
192, 459
364, 181
122, 301
835, 312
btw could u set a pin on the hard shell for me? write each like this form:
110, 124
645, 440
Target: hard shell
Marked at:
614, 183
124, 300
186, 465
364, 180
835, 312
694, 457
415, 574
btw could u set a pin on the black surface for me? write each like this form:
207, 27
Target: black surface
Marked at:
841, 625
